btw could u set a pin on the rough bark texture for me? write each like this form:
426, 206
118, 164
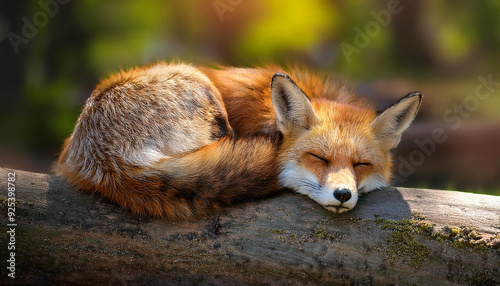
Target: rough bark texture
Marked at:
394, 236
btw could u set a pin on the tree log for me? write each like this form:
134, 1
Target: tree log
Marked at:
393, 236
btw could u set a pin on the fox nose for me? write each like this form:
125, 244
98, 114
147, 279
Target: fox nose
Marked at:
342, 194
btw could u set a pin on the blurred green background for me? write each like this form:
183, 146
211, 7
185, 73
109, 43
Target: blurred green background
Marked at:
53, 53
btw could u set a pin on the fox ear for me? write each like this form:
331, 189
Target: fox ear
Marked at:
293, 108
394, 120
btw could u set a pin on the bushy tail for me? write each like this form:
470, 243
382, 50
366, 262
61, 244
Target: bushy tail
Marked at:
190, 185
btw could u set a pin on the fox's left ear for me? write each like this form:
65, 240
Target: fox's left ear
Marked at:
394, 120
294, 111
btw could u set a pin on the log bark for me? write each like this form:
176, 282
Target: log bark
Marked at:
394, 236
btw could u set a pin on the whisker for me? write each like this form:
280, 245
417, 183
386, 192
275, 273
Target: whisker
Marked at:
312, 185
305, 183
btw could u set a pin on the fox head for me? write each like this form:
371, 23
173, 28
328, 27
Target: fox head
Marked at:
332, 151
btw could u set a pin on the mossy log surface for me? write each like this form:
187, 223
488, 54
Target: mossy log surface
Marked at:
394, 236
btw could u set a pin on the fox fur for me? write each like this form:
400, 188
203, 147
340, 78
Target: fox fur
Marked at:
178, 141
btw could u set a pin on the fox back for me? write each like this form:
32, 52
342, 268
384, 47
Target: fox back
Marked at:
178, 141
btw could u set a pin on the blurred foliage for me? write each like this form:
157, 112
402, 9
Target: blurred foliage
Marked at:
46, 78
287, 26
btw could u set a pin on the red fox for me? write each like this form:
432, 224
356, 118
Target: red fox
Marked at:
178, 141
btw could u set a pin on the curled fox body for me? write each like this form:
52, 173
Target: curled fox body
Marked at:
177, 141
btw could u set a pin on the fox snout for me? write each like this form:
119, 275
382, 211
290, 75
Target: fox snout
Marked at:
346, 201
336, 190
342, 200
342, 194
339, 190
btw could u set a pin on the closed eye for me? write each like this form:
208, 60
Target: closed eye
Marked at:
362, 164
319, 158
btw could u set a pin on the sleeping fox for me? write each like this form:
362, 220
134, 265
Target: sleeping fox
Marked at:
178, 141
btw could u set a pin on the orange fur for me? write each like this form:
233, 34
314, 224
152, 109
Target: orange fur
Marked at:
177, 141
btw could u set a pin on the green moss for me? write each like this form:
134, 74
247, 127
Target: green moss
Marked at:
458, 237
403, 243
462, 238
19, 204
356, 219
417, 216
454, 232
283, 235
3, 203
278, 231
359, 220
319, 232
322, 233
423, 228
